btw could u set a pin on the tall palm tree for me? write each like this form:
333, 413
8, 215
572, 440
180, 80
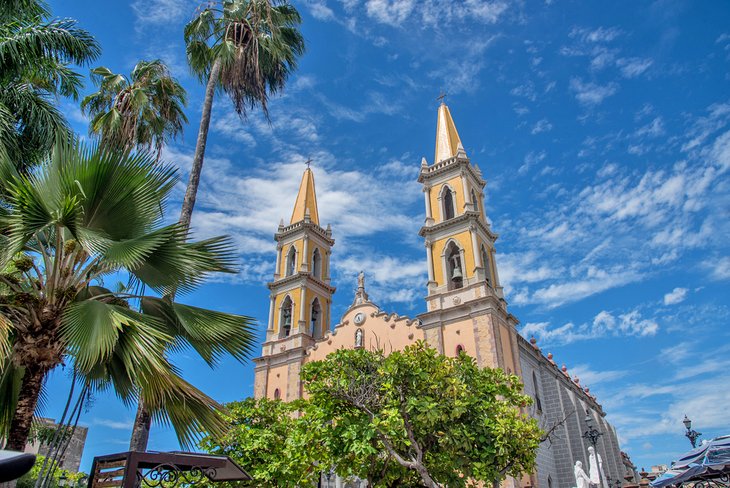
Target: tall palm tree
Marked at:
248, 49
144, 110
84, 215
35, 59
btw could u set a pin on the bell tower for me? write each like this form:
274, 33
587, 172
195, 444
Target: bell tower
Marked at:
463, 282
301, 296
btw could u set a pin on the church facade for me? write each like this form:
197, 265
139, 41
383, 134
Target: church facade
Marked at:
465, 312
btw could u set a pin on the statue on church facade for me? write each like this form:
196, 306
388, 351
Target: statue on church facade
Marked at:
581, 478
595, 468
358, 338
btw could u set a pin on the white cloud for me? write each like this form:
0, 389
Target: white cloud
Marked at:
630, 324
633, 67
320, 10
162, 12
719, 268
434, 12
531, 159
589, 376
542, 125
601, 34
675, 296
655, 128
113, 424
589, 93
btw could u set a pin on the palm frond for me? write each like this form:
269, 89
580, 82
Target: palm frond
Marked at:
212, 334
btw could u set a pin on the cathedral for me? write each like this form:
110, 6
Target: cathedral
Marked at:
465, 312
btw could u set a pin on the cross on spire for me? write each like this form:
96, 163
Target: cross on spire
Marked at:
441, 96
308, 162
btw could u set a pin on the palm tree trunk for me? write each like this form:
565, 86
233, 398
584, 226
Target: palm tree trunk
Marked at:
143, 419
27, 400
192, 189
141, 428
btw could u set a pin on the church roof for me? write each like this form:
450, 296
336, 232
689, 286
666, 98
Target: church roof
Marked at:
447, 138
306, 200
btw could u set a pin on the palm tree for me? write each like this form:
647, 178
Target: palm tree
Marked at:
86, 215
248, 49
35, 59
144, 111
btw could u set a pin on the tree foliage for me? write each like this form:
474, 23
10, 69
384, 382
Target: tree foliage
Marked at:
144, 110
412, 418
270, 442
443, 419
83, 216
36, 55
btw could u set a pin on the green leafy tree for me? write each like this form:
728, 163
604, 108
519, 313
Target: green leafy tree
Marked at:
271, 442
36, 55
84, 215
416, 413
143, 111
246, 48
70, 478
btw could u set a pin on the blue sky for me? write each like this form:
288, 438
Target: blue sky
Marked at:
603, 129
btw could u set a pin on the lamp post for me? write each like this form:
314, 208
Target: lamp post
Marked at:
592, 434
691, 434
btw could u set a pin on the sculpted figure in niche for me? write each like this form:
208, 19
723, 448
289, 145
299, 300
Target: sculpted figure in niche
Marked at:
358, 338
581, 478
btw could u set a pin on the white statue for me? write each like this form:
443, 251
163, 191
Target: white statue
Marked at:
598, 477
358, 338
581, 478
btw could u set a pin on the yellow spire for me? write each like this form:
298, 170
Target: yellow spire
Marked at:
306, 200
447, 139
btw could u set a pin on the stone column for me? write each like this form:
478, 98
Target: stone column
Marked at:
304, 267
467, 194
271, 314
302, 305
429, 258
326, 273
277, 274
427, 198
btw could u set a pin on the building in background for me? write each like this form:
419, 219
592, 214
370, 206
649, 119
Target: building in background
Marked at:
45, 428
465, 311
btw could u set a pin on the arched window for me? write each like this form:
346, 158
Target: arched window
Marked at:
316, 315
447, 201
285, 318
487, 267
538, 403
550, 482
316, 264
277, 394
474, 200
454, 268
291, 261
459, 349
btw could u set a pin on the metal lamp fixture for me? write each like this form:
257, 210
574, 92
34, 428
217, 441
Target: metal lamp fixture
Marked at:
691, 434
592, 434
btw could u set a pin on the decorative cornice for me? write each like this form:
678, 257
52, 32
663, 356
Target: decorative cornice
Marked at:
470, 216
302, 278
302, 225
456, 162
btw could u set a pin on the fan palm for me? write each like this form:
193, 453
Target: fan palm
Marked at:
35, 59
246, 48
145, 110
87, 214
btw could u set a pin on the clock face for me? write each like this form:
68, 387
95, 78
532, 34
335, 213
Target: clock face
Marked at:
359, 318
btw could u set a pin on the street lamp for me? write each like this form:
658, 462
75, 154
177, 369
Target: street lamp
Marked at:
592, 434
691, 434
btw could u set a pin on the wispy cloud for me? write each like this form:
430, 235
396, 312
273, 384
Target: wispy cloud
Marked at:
591, 94
675, 296
603, 324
